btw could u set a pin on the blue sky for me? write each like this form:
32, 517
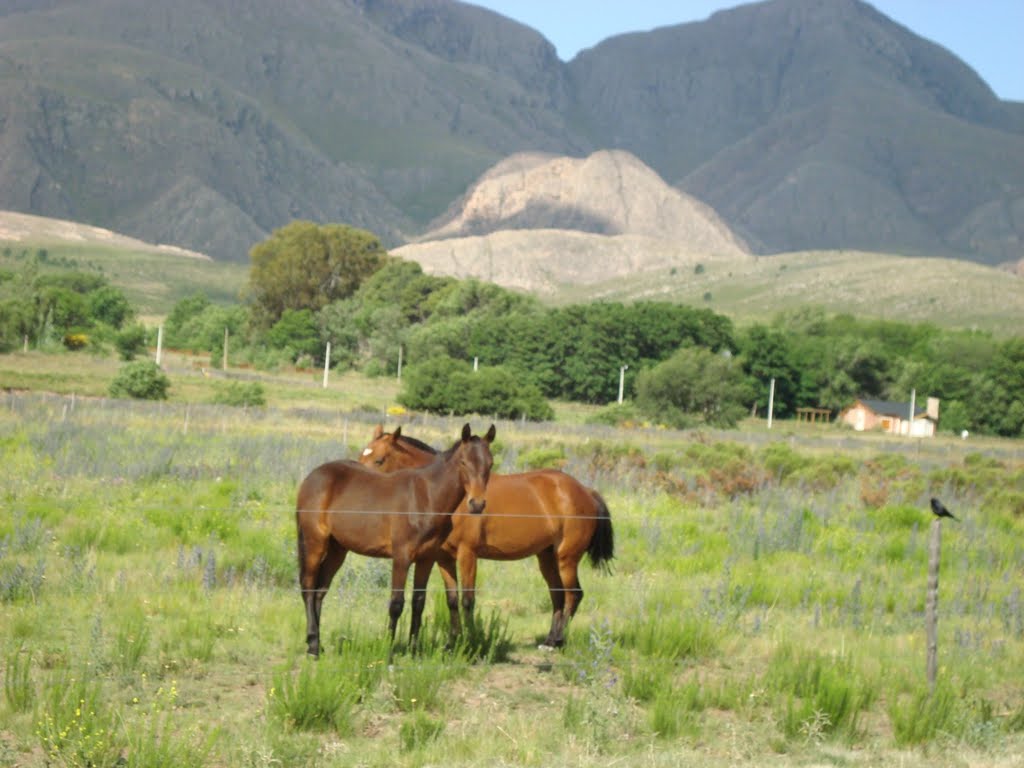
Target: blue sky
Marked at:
986, 34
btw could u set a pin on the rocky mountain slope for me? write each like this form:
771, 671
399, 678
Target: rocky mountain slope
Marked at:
538, 222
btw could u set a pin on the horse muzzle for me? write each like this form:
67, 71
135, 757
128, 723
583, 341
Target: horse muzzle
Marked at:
476, 506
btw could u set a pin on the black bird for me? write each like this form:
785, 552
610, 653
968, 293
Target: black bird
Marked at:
940, 510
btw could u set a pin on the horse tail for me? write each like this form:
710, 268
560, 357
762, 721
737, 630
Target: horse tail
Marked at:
601, 548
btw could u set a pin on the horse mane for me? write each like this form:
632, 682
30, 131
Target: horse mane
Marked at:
416, 443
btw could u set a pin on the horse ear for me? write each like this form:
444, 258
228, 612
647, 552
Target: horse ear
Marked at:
378, 431
396, 434
489, 437
466, 432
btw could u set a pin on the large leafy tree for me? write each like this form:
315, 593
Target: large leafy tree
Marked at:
109, 305
768, 354
307, 266
298, 333
999, 403
695, 386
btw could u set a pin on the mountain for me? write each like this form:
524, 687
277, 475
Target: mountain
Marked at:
539, 222
208, 123
816, 124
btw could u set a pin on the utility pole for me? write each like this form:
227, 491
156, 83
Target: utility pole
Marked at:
771, 402
327, 362
622, 381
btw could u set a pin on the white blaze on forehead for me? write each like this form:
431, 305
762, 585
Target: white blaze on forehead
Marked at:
367, 451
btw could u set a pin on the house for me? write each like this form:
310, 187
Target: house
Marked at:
892, 417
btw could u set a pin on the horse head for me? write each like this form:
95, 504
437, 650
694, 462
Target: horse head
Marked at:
475, 461
389, 451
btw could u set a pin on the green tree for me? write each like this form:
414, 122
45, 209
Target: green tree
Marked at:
1000, 402
695, 386
17, 321
386, 336
202, 330
109, 305
297, 332
130, 341
402, 284
338, 326
767, 354
62, 310
307, 266
182, 314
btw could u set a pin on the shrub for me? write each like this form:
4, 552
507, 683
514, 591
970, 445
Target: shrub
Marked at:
75, 341
825, 472
544, 457
617, 415
443, 385
140, 379
240, 394
782, 461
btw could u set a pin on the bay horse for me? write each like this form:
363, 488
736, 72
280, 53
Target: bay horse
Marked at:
546, 513
344, 507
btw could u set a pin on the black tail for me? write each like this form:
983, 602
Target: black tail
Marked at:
602, 544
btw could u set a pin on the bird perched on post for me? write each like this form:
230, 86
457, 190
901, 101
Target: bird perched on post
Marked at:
940, 510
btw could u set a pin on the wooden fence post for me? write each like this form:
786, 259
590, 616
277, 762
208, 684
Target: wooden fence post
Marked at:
932, 603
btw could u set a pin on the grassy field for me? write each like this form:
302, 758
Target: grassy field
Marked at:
765, 608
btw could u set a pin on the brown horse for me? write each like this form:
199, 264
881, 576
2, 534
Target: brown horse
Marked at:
343, 507
544, 513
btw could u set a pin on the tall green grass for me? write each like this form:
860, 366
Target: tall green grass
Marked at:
151, 594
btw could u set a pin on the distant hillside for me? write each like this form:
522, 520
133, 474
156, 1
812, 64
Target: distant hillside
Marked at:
803, 123
946, 292
25, 228
153, 277
949, 293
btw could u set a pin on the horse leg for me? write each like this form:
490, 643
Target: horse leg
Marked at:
549, 570
446, 565
399, 572
568, 569
467, 573
320, 562
420, 576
